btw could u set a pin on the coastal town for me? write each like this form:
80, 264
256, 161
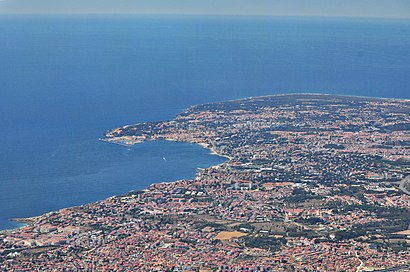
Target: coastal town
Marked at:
311, 182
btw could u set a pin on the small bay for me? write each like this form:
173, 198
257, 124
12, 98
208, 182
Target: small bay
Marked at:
92, 170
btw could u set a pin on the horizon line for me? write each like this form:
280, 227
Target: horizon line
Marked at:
201, 14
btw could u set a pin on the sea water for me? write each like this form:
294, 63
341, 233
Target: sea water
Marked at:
65, 80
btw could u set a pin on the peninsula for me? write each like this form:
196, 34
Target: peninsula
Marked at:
312, 182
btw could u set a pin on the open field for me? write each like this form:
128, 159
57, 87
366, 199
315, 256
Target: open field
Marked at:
404, 232
226, 235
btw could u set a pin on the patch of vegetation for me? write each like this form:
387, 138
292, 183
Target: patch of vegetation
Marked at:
310, 220
216, 226
334, 146
265, 242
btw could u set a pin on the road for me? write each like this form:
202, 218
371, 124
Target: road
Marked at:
402, 184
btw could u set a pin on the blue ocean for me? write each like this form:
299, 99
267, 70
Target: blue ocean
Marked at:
65, 80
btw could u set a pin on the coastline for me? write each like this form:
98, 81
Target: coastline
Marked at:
243, 193
212, 150
23, 222
330, 94
26, 221
121, 143
407, 100
129, 142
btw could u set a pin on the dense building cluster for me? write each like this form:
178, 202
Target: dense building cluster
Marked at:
311, 182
